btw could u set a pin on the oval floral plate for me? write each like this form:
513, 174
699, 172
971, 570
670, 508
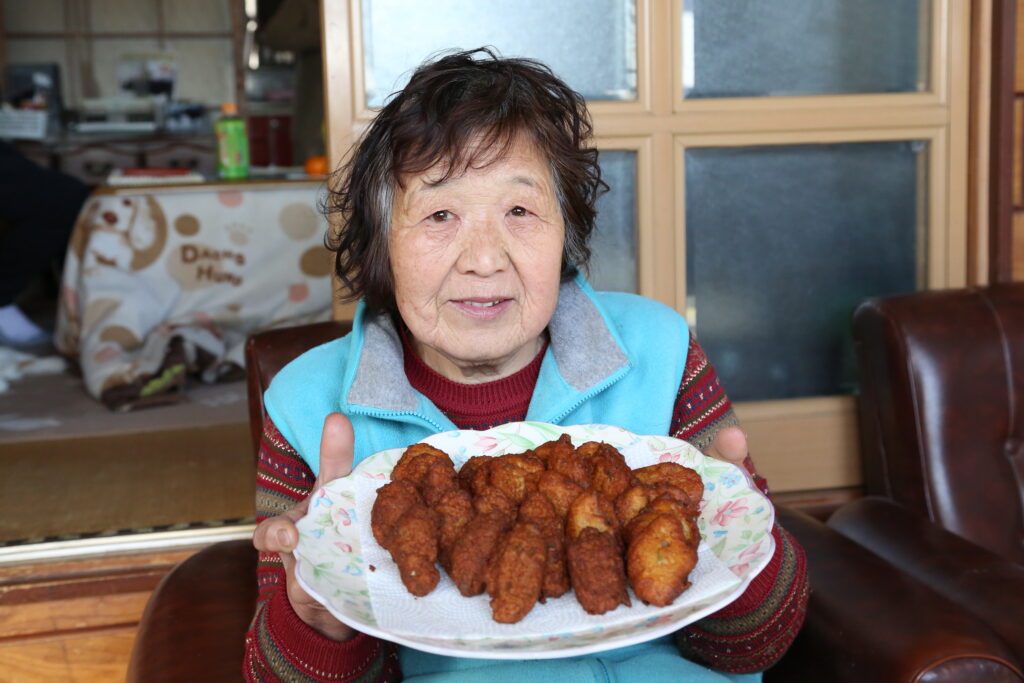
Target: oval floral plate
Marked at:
341, 565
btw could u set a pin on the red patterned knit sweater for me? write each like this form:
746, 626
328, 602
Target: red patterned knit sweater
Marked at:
750, 634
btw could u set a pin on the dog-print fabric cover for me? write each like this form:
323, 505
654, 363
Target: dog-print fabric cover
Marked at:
159, 286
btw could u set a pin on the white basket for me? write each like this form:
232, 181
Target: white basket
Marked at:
22, 124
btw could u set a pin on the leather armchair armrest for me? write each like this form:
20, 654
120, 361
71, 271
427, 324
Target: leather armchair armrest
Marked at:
869, 621
980, 581
194, 625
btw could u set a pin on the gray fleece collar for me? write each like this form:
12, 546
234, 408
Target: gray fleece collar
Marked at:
581, 343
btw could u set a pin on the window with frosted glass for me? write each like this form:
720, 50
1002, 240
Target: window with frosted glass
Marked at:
782, 242
613, 242
591, 44
742, 48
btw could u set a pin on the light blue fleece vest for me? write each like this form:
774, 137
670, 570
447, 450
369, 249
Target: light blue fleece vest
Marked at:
613, 358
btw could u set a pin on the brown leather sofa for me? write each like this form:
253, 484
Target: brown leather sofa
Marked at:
942, 426
867, 619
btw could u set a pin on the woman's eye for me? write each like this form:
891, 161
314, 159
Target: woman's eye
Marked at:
441, 216
519, 211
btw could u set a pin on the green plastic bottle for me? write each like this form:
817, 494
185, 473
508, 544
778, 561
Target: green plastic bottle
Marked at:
232, 144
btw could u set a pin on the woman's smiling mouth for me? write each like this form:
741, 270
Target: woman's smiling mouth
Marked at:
483, 308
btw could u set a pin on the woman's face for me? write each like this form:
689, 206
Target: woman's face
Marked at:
476, 262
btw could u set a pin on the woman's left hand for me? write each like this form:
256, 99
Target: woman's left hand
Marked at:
730, 445
279, 534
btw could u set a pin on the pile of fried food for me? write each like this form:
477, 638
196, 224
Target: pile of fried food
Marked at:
529, 526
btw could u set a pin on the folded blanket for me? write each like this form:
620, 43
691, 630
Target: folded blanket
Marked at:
160, 286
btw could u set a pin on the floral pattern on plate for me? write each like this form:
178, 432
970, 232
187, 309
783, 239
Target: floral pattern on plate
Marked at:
341, 565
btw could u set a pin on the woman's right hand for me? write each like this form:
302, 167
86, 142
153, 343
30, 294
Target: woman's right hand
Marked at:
279, 534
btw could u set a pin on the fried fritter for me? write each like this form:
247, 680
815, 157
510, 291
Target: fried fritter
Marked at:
676, 493
562, 444
516, 475
591, 509
664, 505
439, 480
597, 571
515, 573
473, 550
417, 461
560, 490
635, 499
587, 449
659, 561
688, 480
492, 500
609, 472
412, 542
537, 509
393, 500
473, 475
456, 510
571, 464
630, 502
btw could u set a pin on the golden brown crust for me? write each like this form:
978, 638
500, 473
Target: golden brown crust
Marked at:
439, 480
416, 461
413, 545
537, 509
562, 444
664, 505
560, 490
609, 472
516, 475
591, 510
473, 474
473, 550
456, 511
570, 464
492, 500
630, 502
597, 571
393, 499
684, 478
659, 561
515, 573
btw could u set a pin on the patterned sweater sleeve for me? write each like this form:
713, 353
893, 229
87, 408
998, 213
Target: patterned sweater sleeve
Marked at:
279, 646
751, 633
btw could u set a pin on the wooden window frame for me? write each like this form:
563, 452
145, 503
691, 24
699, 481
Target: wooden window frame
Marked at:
803, 444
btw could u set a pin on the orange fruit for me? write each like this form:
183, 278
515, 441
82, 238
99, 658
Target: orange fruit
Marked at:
316, 165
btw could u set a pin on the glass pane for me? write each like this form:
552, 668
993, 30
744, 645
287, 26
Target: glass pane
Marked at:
196, 15
589, 43
117, 15
739, 48
782, 242
45, 16
613, 242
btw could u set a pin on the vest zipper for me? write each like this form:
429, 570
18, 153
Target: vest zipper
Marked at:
392, 414
591, 393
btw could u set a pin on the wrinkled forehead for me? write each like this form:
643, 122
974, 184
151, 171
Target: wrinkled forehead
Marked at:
479, 151
521, 166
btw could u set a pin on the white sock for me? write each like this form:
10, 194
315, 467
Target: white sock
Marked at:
15, 326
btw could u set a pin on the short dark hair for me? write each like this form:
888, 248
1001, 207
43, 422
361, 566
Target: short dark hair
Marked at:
449, 103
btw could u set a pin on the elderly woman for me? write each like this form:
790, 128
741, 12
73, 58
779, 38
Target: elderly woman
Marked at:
466, 211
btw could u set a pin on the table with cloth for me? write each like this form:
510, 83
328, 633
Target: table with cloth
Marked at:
163, 283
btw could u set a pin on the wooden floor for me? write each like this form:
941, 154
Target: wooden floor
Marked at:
75, 621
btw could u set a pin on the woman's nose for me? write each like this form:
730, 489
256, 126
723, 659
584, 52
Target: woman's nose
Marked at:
482, 250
